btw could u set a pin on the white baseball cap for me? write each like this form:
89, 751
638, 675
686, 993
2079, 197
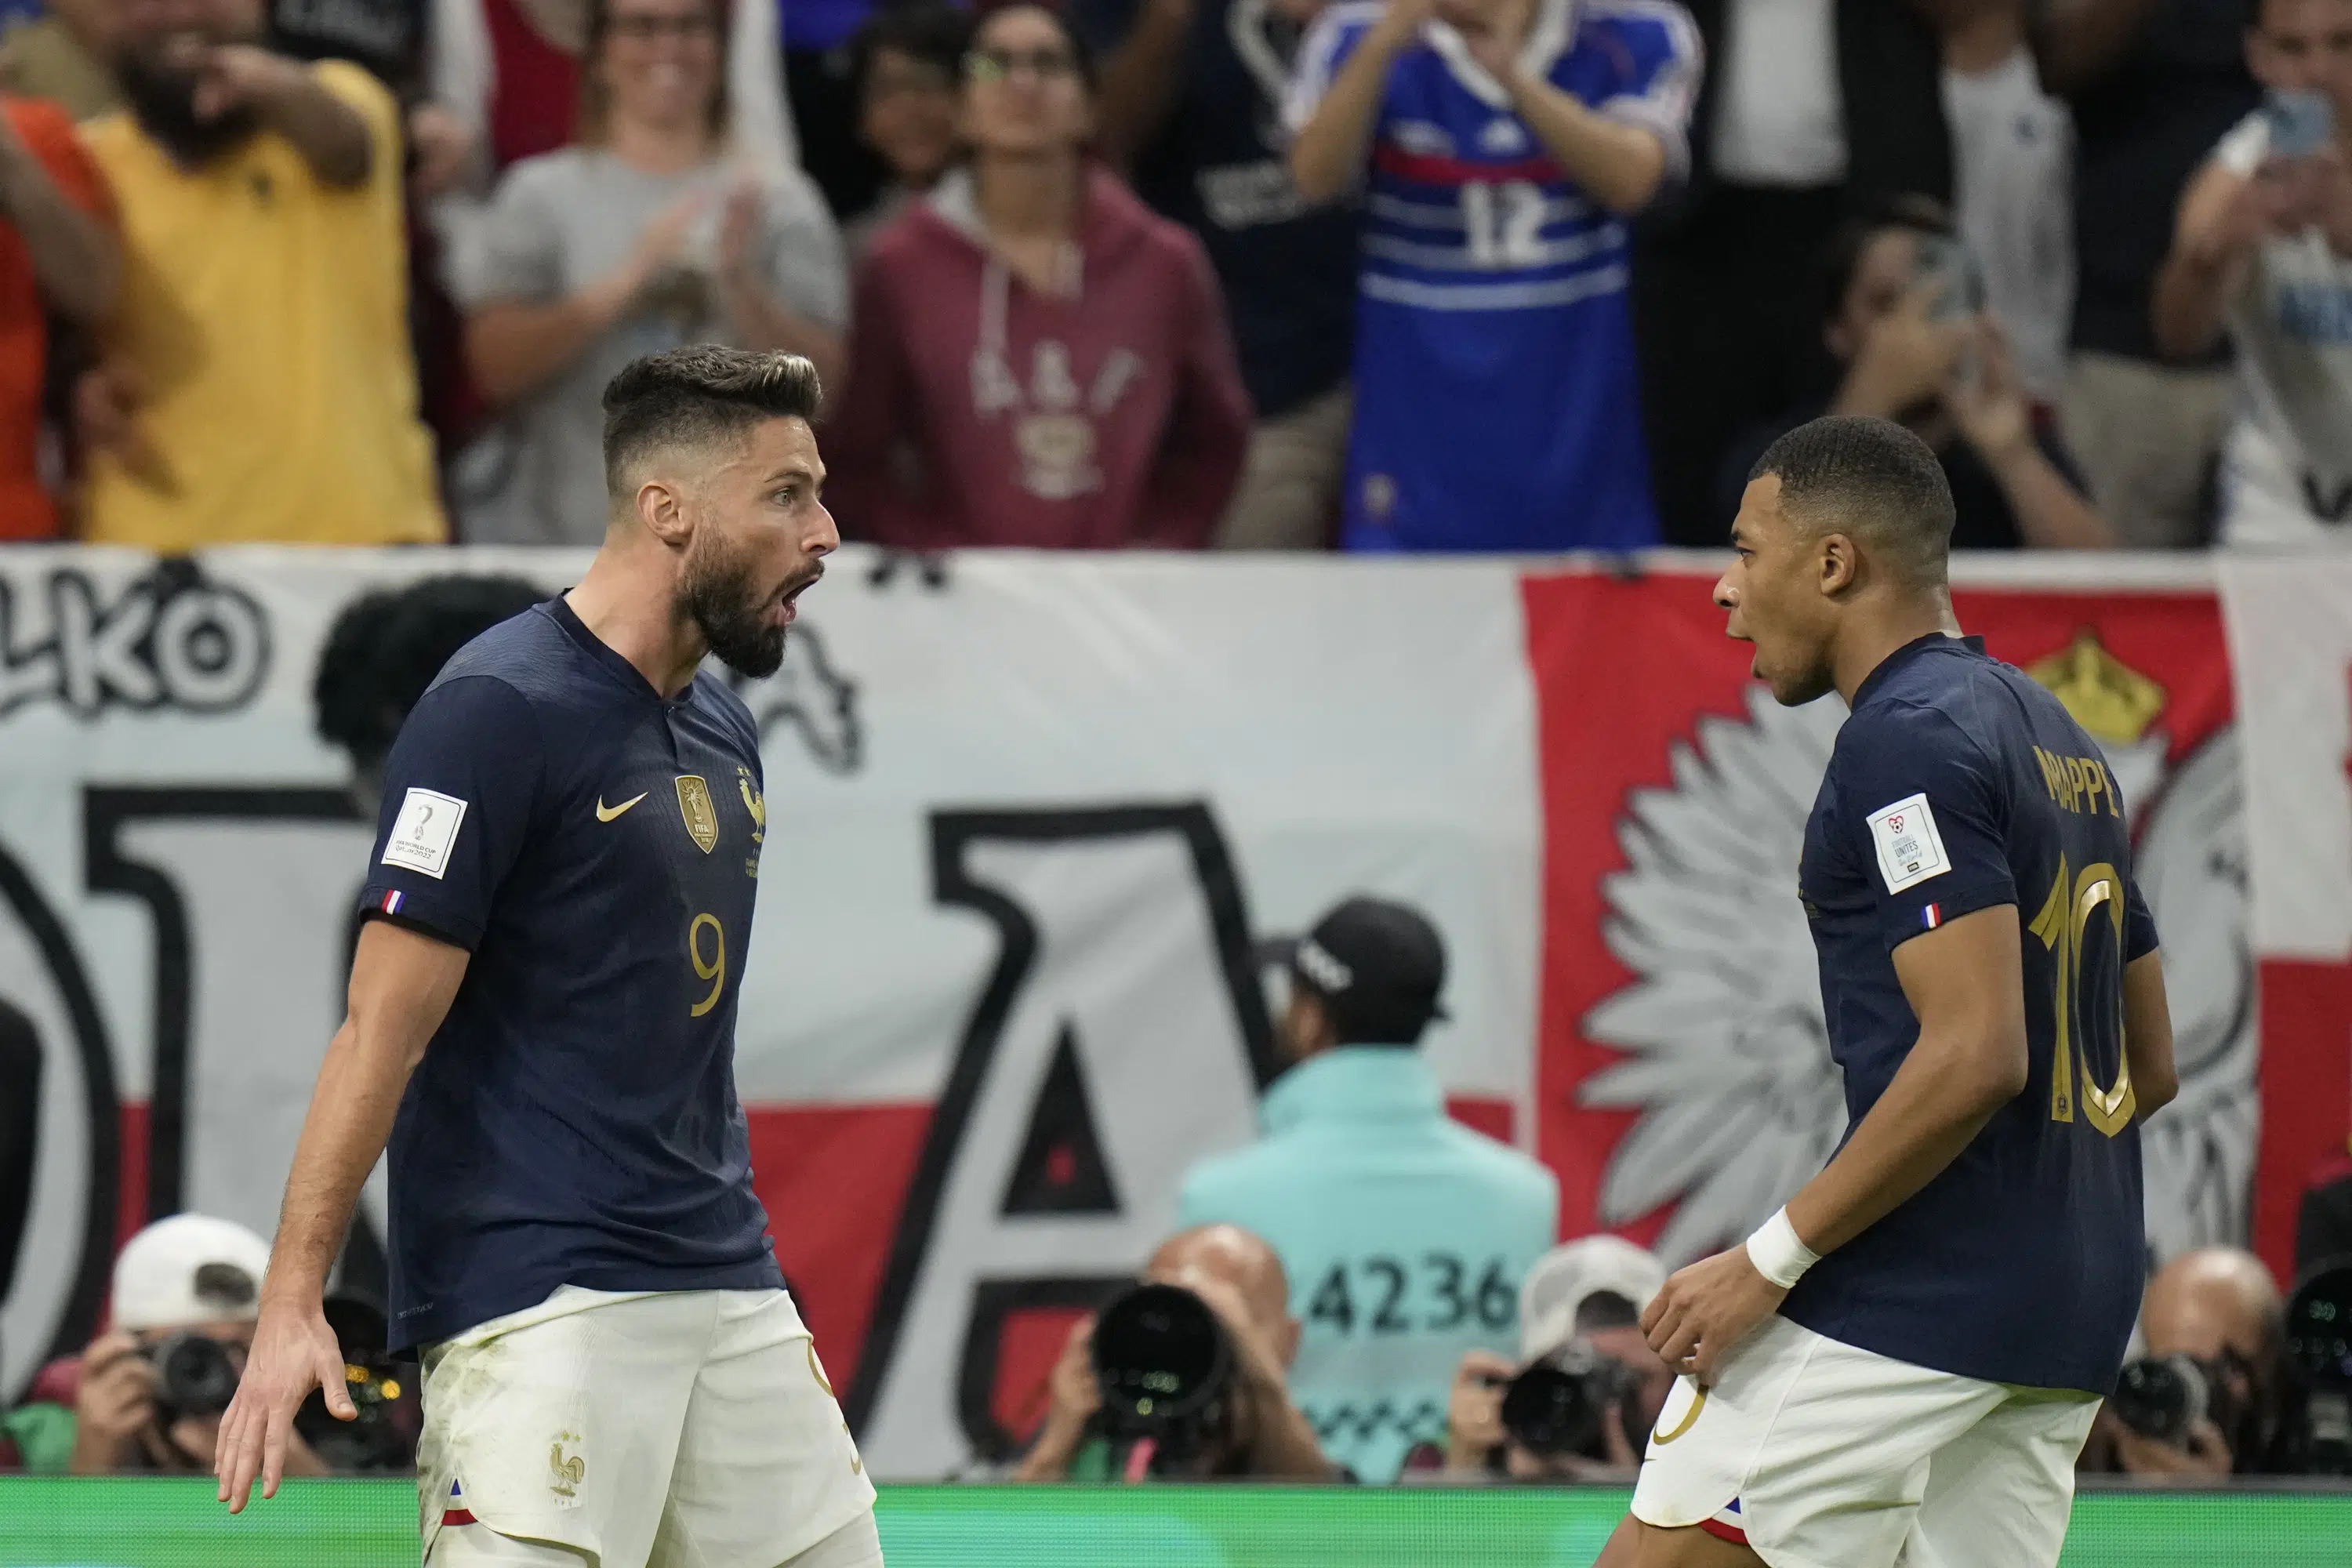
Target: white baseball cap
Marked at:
1562, 1279
186, 1269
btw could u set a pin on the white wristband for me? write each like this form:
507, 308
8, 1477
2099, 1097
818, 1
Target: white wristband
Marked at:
1777, 1253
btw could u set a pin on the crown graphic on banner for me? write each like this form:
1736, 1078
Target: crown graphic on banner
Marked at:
2107, 697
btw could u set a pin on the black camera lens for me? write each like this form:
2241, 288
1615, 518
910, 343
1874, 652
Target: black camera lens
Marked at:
2319, 1327
2161, 1398
1162, 1360
193, 1375
1556, 1406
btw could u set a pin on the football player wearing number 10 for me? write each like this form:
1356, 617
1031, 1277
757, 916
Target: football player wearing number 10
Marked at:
1904, 1361
542, 1024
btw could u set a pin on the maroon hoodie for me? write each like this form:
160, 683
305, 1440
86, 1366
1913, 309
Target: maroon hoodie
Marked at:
980, 411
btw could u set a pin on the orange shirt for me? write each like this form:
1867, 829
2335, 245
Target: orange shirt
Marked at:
26, 509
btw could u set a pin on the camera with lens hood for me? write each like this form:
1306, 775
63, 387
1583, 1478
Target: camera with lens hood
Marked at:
1165, 1366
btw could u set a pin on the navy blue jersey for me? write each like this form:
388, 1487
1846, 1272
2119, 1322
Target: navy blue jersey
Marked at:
1496, 405
1960, 783
596, 849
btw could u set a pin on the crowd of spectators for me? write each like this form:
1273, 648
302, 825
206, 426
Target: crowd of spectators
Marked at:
1383, 274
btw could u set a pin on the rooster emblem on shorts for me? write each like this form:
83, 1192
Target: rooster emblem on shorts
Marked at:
1726, 1054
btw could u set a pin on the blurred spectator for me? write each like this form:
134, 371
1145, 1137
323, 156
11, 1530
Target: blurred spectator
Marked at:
66, 55
508, 73
2220, 1308
58, 260
1812, 110
1405, 1234
2013, 148
1908, 350
1590, 1295
906, 68
1262, 1435
148, 1394
1192, 106
1496, 397
816, 60
256, 383
2264, 250
2153, 85
384, 650
640, 238
1037, 359
385, 36
2323, 1223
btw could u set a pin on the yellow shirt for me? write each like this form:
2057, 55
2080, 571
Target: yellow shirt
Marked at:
264, 321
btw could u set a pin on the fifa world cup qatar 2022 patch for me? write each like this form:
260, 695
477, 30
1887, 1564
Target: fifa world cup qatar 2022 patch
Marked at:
424, 832
1909, 848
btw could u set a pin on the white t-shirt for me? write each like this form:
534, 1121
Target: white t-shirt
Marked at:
2288, 474
2014, 145
1780, 118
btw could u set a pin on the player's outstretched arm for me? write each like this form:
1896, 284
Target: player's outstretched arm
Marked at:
2147, 1037
402, 984
1965, 982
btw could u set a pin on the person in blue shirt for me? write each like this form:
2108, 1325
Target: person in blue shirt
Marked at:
1404, 1235
542, 1025
1904, 1361
1501, 145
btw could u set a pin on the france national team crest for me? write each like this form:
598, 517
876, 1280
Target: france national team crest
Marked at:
701, 817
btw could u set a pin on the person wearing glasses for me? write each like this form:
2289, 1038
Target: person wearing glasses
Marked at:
649, 233
1037, 359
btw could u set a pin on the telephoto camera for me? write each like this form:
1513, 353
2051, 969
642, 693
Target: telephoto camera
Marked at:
193, 1376
381, 1437
1555, 1407
1165, 1367
2319, 1350
2161, 1398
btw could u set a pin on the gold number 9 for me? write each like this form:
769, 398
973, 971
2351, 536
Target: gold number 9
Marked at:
713, 969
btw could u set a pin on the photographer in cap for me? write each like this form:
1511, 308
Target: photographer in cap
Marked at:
1404, 1234
148, 1394
1246, 1426
1579, 1402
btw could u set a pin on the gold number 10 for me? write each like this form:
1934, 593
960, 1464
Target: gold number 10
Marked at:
713, 969
2063, 925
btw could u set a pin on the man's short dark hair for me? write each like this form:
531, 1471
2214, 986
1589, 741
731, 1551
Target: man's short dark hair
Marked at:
697, 396
1871, 478
385, 648
1606, 1309
931, 31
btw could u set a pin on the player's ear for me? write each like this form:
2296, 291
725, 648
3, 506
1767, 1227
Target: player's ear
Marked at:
661, 508
1838, 561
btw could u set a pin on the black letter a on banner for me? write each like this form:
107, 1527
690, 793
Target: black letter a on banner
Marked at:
1060, 1169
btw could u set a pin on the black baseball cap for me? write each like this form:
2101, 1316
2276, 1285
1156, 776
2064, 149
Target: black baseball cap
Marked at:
1378, 966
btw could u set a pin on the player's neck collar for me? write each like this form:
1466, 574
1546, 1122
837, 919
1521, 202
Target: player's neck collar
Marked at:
1550, 33
1902, 656
604, 653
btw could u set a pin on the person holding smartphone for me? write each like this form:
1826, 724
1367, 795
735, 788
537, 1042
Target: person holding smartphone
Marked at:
2263, 252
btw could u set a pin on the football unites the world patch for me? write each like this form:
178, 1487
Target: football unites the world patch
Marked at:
1909, 848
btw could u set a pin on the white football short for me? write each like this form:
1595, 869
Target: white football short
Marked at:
687, 1429
1818, 1455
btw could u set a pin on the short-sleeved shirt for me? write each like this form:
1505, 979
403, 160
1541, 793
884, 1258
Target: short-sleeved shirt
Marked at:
1497, 403
25, 511
596, 849
265, 315
1220, 167
1960, 783
556, 224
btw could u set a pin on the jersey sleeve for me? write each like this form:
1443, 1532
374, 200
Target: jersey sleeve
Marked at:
1332, 38
2139, 924
1924, 806
1659, 65
459, 793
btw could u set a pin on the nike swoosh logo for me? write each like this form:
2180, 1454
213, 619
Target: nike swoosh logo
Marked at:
607, 813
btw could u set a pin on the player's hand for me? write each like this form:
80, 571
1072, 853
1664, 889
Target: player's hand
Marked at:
1706, 1309
293, 1352
114, 1404
1474, 1414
